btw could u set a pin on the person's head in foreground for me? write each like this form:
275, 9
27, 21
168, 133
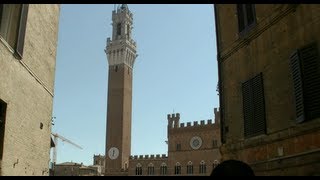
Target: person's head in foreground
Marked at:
232, 168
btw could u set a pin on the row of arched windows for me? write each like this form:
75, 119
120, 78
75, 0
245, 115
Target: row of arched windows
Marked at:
177, 168
163, 169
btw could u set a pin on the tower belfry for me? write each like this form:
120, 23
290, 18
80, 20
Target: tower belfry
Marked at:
121, 55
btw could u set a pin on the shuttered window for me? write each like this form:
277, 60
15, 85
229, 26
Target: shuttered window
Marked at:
246, 16
3, 108
254, 107
13, 20
22, 30
305, 67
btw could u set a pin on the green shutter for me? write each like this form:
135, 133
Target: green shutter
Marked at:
248, 109
298, 86
240, 14
259, 107
3, 109
311, 80
253, 107
250, 14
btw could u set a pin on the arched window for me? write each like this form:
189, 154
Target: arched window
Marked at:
118, 29
138, 169
177, 168
189, 168
150, 169
215, 163
128, 31
202, 167
163, 169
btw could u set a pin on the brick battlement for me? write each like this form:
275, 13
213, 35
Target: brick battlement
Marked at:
196, 123
173, 121
152, 156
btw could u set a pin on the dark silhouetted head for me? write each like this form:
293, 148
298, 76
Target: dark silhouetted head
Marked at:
232, 168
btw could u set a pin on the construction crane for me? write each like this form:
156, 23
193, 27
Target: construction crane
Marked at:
55, 139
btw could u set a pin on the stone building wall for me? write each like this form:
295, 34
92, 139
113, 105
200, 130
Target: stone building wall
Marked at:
27, 89
287, 147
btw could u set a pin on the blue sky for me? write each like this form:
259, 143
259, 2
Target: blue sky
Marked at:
175, 71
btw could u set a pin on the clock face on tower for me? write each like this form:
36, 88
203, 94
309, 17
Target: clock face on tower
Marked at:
195, 142
113, 153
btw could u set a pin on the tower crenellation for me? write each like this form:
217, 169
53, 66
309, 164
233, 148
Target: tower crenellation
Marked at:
173, 121
151, 156
194, 124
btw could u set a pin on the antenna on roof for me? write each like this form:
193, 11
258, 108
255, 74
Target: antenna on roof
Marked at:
114, 6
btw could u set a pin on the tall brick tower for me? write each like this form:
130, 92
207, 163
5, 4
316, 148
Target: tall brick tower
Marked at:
121, 54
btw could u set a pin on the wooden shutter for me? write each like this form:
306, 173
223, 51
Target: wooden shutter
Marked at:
240, 14
311, 80
250, 14
248, 109
22, 30
298, 86
253, 107
3, 109
259, 108
1, 9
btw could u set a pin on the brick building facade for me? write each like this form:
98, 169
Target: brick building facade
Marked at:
193, 150
269, 83
28, 46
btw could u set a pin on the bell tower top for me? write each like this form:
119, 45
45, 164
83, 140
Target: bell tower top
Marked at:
122, 48
124, 7
122, 23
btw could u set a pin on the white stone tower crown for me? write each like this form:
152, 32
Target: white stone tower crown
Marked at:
122, 48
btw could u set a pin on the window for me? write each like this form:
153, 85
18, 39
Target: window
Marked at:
126, 165
246, 16
214, 143
3, 109
138, 169
163, 169
13, 20
128, 31
178, 147
116, 68
202, 167
215, 163
189, 168
253, 107
150, 169
118, 29
305, 67
177, 168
